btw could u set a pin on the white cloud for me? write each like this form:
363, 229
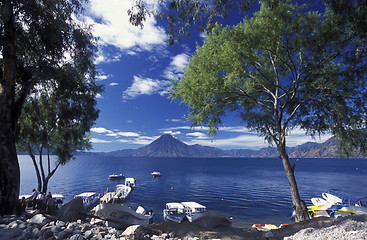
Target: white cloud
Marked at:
175, 69
111, 24
145, 86
99, 96
242, 141
100, 130
128, 134
199, 135
96, 140
172, 133
114, 84
102, 77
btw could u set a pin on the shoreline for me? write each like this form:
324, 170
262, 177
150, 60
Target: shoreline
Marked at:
42, 226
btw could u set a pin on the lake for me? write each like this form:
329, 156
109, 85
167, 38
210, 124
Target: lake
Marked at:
251, 190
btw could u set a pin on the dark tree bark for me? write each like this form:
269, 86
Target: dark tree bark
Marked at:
299, 206
9, 166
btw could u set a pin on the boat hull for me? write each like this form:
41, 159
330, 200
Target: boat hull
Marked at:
174, 217
119, 215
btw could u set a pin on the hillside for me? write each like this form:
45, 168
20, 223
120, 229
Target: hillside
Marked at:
168, 146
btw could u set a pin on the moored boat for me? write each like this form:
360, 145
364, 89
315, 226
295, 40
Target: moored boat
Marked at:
120, 194
116, 176
336, 204
90, 199
198, 214
193, 210
156, 174
131, 182
120, 215
174, 212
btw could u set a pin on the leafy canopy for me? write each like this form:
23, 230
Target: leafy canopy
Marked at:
283, 68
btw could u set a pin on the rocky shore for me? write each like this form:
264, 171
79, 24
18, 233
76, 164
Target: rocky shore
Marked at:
40, 226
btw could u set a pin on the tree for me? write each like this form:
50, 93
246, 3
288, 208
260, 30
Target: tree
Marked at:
39, 41
282, 69
181, 15
51, 124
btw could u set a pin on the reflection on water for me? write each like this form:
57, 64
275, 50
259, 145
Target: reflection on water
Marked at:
250, 190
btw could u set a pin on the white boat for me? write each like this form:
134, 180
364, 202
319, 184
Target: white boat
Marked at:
130, 182
116, 176
120, 215
199, 215
193, 210
174, 212
90, 199
59, 200
320, 201
336, 204
122, 192
156, 174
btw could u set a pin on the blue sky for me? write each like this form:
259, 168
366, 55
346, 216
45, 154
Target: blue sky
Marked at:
135, 66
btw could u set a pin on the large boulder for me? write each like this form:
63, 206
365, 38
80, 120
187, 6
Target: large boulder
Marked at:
38, 219
211, 220
72, 211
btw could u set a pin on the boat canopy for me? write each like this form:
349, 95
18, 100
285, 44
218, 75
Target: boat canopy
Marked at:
194, 206
173, 205
85, 194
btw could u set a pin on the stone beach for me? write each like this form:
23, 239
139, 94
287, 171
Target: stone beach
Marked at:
41, 226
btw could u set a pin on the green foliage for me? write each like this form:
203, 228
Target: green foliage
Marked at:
281, 69
181, 15
59, 121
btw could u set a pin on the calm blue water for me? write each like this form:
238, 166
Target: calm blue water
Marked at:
252, 190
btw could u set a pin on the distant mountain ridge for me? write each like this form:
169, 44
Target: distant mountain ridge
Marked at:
168, 146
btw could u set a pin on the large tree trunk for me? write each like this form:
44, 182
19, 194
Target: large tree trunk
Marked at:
299, 206
9, 166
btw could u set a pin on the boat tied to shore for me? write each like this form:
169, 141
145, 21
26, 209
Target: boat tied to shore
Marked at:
174, 212
335, 204
195, 213
90, 199
131, 182
119, 215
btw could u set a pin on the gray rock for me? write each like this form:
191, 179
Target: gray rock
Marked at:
38, 219
85, 227
63, 235
46, 233
130, 231
10, 233
72, 211
55, 230
88, 234
77, 237
60, 223
22, 225
13, 224
269, 234
35, 232
77, 231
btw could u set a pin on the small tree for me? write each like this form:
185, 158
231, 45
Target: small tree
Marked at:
281, 69
57, 124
